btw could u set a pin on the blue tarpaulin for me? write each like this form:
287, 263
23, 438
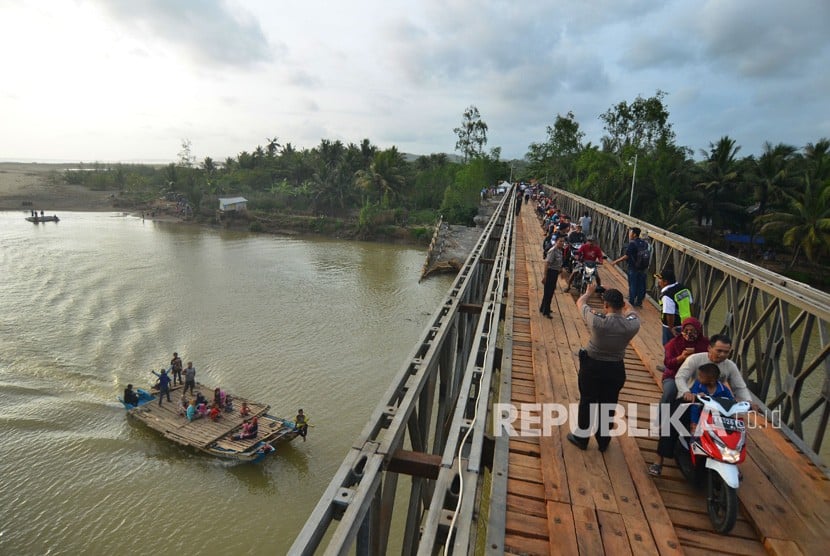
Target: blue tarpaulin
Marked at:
743, 238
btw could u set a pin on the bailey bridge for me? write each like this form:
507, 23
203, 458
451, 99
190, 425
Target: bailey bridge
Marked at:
427, 475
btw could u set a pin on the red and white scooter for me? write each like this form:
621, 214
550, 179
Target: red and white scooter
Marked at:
712, 455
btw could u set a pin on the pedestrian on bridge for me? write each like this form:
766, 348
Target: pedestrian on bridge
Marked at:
601, 363
554, 261
637, 254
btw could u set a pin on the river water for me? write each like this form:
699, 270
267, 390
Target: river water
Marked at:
97, 300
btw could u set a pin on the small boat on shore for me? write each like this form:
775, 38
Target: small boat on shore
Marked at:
219, 438
39, 219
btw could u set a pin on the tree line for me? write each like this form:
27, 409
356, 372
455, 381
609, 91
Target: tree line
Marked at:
782, 195
358, 181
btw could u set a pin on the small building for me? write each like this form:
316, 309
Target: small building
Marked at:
233, 204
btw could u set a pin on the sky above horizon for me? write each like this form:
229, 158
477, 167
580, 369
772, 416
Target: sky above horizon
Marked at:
126, 80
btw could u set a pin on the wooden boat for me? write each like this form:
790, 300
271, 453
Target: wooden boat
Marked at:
213, 437
38, 219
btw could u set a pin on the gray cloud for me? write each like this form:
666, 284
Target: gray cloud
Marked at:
764, 38
304, 79
208, 30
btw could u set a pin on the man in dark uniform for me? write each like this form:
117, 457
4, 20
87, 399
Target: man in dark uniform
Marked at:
601, 365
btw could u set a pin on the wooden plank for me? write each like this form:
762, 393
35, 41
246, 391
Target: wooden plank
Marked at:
528, 506
526, 489
588, 537
525, 474
655, 512
785, 469
525, 546
520, 524
699, 521
561, 529
523, 460
553, 468
639, 535
721, 543
780, 547
613, 532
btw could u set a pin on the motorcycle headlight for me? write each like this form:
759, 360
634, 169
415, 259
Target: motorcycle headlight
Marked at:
731, 456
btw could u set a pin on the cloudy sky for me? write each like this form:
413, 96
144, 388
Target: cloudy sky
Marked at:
127, 80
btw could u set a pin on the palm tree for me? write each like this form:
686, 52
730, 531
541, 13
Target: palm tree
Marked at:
384, 180
771, 174
718, 183
806, 226
817, 157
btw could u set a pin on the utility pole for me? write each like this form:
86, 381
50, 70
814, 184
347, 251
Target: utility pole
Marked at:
633, 177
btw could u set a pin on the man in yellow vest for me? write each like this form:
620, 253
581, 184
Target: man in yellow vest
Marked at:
676, 302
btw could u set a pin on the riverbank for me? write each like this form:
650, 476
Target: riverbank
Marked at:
38, 186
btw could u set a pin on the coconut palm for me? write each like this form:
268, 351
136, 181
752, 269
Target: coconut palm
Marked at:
817, 157
384, 180
806, 226
771, 174
718, 183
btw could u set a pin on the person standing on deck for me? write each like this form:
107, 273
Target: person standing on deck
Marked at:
164, 385
601, 363
585, 222
675, 302
176, 367
553, 266
636, 268
189, 377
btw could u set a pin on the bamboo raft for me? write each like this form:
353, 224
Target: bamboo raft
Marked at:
39, 219
215, 437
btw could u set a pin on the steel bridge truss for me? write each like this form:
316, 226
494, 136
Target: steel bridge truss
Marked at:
779, 326
430, 425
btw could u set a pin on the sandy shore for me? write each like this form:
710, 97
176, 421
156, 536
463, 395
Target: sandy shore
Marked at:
26, 186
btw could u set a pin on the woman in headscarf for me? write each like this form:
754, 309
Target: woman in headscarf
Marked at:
690, 340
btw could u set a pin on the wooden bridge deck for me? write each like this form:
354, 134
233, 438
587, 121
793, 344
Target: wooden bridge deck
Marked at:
562, 500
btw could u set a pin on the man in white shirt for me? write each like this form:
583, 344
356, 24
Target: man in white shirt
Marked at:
720, 347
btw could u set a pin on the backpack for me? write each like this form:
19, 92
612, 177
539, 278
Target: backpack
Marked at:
642, 256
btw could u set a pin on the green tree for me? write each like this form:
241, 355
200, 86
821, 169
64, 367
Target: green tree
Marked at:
805, 227
717, 185
817, 159
384, 179
186, 158
462, 198
472, 134
556, 157
643, 123
770, 175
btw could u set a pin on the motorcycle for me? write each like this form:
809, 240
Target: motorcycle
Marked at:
712, 456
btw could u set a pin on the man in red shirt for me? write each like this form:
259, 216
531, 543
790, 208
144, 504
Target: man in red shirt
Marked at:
588, 251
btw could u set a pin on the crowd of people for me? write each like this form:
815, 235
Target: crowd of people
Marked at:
693, 363
197, 406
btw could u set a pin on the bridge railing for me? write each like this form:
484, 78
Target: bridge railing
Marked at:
779, 326
429, 425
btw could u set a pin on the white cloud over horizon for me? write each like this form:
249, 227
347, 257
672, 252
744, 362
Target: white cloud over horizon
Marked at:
121, 80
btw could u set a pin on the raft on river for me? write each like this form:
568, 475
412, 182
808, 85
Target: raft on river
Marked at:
213, 437
39, 219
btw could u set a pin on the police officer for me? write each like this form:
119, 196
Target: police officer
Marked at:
601, 365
